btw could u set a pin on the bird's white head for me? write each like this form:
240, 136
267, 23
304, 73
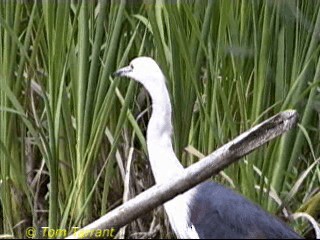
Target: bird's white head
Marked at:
144, 70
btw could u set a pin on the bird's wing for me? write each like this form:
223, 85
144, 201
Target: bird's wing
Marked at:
218, 212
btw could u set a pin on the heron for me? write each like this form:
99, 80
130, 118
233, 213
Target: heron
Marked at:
208, 210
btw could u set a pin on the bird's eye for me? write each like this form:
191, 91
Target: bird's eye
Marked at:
131, 66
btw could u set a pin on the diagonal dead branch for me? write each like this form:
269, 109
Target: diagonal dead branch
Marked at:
195, 174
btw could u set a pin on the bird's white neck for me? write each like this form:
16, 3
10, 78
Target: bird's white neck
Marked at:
163, 160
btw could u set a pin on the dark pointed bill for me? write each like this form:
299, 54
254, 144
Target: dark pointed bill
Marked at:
122, 72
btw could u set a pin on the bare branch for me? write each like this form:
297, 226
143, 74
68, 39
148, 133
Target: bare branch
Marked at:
196, 173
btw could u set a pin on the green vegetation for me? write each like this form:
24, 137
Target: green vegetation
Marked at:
67, 128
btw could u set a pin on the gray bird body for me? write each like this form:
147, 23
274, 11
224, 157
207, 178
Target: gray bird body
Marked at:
219, 212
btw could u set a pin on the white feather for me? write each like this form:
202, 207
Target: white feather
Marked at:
163, 160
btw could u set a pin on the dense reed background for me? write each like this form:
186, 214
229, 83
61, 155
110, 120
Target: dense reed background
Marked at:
68, 129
